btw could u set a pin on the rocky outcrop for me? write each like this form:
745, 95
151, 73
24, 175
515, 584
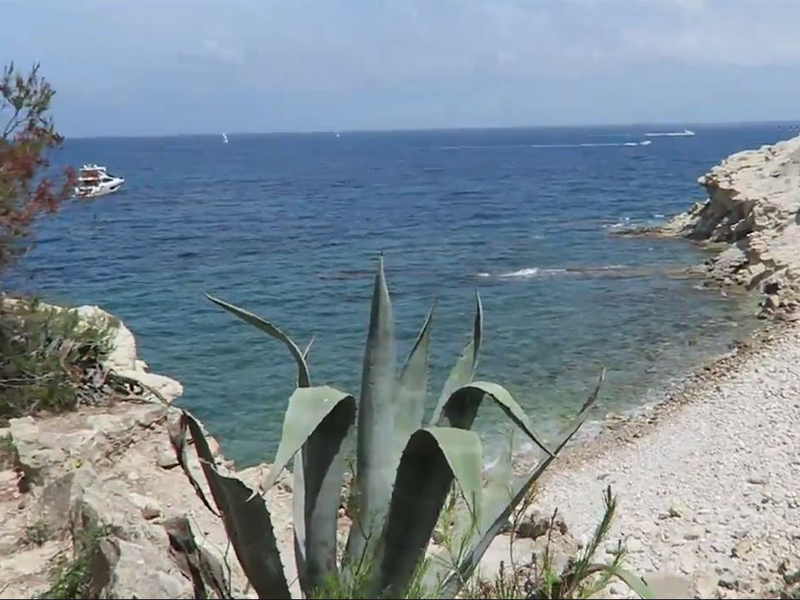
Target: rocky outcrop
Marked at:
109, 467
123, 359
753, 207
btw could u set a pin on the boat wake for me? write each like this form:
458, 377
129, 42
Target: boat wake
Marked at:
593, 145
684, 133
520, 274
537, 272
583, 145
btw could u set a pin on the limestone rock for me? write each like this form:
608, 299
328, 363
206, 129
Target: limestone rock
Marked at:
96, 468
168, 388
706, 585
166, 459
95, 503
123, 344
742, 549
129, 570
728, 580
149, 507
47, 448
678, 509
26, 572
753, 202
668, 585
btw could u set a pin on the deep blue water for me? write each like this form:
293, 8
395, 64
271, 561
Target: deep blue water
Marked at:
289, 226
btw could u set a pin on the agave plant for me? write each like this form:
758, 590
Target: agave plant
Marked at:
404, 468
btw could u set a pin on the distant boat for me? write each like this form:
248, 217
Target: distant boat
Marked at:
684, 133
224, 139
94, 181
338, 134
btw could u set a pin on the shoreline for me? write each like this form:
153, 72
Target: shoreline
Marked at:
636, 422
705, 477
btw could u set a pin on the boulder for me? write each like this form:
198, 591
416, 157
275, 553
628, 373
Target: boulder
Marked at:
167, 387
123, 569
95, 503
122, 358
37, 452
47, 448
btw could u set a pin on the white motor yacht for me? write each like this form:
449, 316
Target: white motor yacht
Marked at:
94, 181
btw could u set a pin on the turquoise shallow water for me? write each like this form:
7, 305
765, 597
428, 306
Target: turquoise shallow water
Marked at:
289, 226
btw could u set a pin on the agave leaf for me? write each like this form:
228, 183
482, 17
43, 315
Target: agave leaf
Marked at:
299, 500
247, 523
497, 493
308, 408
323, 469
520, 489
410, 393
432, 459
461, 408
270, 329
307, 351
374, 461
177, 438
464, 369
316, 424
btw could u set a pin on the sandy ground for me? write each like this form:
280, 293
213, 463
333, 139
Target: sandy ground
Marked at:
707, 481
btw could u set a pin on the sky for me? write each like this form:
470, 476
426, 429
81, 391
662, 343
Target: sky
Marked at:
160, 68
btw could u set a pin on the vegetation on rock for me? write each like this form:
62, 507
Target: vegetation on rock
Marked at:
49, 359
72, 578
581, 577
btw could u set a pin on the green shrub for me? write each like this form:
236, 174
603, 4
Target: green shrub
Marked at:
45, 356
582, 577
72, 578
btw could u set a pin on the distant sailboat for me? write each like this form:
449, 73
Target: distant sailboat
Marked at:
338, 134
224, 139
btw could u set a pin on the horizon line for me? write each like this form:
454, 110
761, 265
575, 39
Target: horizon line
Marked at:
777, 122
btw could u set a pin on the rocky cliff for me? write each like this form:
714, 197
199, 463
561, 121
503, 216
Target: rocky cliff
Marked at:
753, 208
111, 467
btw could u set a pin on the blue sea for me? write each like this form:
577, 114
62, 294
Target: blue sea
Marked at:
290, 226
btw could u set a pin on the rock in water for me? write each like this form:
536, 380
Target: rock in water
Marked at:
754, 198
